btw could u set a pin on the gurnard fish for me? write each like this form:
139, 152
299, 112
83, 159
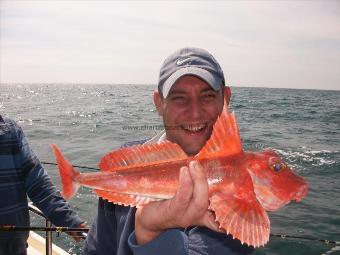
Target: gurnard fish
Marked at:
243, 185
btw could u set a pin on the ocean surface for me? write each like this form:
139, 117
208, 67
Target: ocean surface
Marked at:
87, 121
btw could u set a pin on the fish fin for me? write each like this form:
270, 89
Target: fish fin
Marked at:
225, 139
124, 199
140, 155
246, 221
67, 174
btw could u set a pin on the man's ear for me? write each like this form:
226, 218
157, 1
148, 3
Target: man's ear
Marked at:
227, 94
158, 102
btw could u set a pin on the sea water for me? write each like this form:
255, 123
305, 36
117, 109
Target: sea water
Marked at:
87, 121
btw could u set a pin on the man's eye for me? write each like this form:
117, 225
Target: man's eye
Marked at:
178, 98
209, 96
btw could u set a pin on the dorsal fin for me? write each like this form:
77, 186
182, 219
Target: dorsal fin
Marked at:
139, 155
225, 139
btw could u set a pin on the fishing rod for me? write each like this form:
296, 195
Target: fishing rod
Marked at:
325, 241
50, 229
55, 164
70, 229
79, 232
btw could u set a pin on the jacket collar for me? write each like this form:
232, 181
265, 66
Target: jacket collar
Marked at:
160, 137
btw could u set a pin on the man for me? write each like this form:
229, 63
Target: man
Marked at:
190, 97
21, 174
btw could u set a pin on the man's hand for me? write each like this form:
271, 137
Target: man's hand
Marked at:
77, 235
189, 207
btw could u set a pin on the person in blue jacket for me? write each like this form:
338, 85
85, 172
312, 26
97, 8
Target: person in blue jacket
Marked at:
190, 96
22, 175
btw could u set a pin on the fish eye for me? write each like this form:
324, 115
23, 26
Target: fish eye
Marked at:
276, 164
277, 167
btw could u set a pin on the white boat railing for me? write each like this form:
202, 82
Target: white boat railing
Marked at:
48, 224
49, 229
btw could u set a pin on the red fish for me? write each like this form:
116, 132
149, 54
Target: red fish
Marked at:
242, 185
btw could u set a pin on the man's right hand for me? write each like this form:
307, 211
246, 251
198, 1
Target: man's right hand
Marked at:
189, 207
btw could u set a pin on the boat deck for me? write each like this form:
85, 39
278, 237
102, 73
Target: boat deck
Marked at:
36, 246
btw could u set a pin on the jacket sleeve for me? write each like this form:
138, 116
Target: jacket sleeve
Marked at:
41, 190
192, 241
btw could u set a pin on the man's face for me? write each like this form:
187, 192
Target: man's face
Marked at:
189, 112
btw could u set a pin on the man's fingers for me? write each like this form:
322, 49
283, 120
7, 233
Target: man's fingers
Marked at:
200, 200
189, 207
185, 189
197, 171
201, 188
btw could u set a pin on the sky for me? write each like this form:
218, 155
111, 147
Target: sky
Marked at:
286, 44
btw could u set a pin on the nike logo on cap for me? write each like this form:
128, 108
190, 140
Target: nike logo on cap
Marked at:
181, 61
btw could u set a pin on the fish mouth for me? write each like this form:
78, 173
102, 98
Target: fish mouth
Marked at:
301, 193
195, 128
271, 202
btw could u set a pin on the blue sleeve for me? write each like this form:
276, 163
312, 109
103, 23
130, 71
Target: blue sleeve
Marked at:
41, 190
194, 241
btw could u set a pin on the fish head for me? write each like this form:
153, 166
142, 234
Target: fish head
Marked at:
275, 183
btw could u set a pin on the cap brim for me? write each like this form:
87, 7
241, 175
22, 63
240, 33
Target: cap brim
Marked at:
203, 74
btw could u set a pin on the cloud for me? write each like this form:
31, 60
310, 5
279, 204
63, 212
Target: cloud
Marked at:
259, 43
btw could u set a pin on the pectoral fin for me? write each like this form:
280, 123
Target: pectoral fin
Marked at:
244, 220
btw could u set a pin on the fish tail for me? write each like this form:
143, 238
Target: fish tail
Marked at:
67, 174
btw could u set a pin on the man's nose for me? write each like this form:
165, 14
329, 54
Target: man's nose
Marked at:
195, 109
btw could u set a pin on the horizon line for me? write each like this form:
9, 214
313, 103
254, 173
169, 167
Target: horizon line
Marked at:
150, 84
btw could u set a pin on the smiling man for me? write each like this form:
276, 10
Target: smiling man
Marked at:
190, 97
189, 112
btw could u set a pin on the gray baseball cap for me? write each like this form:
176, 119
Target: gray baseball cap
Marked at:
190, 61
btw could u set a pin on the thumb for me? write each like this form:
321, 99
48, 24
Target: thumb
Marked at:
185, 188
209, 221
